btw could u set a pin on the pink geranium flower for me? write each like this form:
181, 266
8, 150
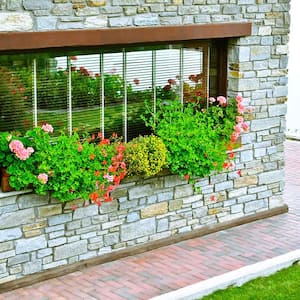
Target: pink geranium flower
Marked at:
239, 98
43, 178
239, 119
47, 128
241, 108
222, 100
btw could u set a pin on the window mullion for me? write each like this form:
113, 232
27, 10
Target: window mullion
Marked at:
125, 94
102, 93
35, 100
181, 66
154, 80
69, 94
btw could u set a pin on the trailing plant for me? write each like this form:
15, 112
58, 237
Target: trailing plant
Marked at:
199, 139
145, 156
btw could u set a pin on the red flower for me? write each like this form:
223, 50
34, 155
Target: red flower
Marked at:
92, 156
231, 155
239, 172
80, 148
187, 177
94, 196
105, 142
172, 81
167, 87
97, 173
212, 198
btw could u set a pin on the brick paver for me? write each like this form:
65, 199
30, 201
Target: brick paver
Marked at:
159, 271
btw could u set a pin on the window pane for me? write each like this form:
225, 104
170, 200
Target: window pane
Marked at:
195, 75
15, 93
114, 94
167, 74
86, 109
52, 92
139, 90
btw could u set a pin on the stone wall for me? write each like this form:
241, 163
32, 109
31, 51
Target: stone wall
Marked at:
35, 235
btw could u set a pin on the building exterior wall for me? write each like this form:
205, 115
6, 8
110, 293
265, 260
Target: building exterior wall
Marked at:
36, 235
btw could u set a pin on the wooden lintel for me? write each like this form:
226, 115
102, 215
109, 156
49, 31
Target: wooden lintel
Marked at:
10, 41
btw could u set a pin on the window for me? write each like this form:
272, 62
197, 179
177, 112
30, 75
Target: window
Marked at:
104, 89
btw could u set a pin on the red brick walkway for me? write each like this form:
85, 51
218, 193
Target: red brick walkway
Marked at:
169, 268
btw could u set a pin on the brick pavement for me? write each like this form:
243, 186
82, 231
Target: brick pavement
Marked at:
169, 268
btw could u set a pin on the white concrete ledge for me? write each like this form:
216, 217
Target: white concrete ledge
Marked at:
236, 278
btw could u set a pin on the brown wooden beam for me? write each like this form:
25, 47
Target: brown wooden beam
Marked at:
120, 36
134, 250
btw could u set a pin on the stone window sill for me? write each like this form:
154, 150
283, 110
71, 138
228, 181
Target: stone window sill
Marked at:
13, 193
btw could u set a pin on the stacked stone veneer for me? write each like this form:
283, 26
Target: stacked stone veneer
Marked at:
36, 235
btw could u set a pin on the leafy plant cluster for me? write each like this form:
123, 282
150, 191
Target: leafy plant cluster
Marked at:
69, 167
199, 139
146, 156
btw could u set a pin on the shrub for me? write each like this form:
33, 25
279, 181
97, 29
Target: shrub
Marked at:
69, 167
199, 140
145, 156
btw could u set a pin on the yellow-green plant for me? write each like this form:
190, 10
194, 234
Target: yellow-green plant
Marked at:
145, 156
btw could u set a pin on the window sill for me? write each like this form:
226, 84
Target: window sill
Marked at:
13, 193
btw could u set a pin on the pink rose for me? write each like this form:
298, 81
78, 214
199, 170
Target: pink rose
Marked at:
47, 128
212, 99
43, 178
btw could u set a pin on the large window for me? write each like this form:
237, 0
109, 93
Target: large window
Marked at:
103, 89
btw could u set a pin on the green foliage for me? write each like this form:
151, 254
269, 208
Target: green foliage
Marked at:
196, 138
69, 167
11, 100
145, 156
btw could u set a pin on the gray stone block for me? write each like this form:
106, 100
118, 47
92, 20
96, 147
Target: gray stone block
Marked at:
138, 229
65, 251
162, 225
33, 4
14, 219
18, 259
32, 267
46, 23
111, 239
60, 219
183, 191
64, 9
10, 234
271, 177
82, 212
140, 191
31, 244
6, 254
255, 205
263, 124
227, 185
146, 20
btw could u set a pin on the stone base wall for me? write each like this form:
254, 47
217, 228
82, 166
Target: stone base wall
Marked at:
37, 233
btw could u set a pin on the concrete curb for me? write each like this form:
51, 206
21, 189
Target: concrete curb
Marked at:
236, 277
